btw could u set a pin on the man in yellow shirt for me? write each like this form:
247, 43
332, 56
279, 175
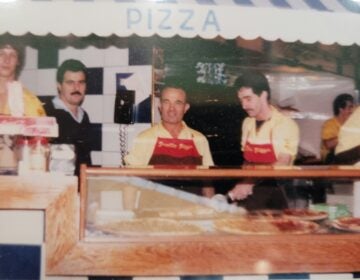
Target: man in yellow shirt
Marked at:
15, 100
268, 137
343, 106
172, 142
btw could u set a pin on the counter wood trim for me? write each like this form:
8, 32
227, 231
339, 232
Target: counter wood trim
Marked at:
226, 254
346, 172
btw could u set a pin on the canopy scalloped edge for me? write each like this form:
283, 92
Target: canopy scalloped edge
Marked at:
125, 19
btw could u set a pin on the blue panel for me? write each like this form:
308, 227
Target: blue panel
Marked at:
316, 5
350, 5
20, 261
96, 136
202, 277
289, 276
280, 3
94, 80
244, 2
206, 2
110, 278
143, 111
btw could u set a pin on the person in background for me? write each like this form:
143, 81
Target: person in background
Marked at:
347, 150
171, 142
73, 120
268, 137
343, 106
15, 99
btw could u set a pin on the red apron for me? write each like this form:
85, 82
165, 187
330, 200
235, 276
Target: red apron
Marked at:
171, 151
259, 153
267, 194
181, 153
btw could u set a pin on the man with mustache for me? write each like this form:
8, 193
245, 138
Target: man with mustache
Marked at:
268, 138
73, 121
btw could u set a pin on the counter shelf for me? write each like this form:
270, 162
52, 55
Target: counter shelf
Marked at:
328, 250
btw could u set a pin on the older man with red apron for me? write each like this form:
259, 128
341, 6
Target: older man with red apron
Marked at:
172, 142
170, 151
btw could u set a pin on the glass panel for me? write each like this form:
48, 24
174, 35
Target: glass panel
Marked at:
123, 207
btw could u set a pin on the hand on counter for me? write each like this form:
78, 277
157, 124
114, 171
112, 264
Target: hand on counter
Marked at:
241, 191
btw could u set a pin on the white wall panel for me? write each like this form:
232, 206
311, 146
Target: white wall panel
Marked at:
108, 108
29, 78
92, 57
111, 159
93, 105
69, 53
116, 57
22, 227
110, 137
47, 82
96, 157
31, 58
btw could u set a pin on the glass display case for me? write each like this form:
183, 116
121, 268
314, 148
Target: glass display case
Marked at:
158, 231
143, 217
153, 202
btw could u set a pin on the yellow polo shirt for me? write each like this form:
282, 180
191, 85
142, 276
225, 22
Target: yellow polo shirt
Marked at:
280, 131
144, 145
32, 105
330, 129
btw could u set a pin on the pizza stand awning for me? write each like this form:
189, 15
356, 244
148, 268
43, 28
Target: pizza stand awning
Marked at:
308, 21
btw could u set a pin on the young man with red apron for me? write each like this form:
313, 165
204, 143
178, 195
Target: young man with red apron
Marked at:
268, 138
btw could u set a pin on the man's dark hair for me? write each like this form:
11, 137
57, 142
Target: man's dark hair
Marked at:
341, 101
254, 80
72, 65
9, 42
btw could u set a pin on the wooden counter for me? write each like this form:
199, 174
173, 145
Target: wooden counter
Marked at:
55, 194
68, 254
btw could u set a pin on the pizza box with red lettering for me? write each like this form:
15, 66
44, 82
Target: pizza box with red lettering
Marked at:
29, 126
